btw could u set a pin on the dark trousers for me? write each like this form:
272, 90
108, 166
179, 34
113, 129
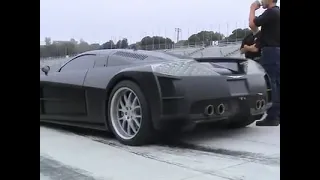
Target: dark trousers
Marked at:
270, 61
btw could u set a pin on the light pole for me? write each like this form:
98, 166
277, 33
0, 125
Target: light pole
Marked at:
178, 30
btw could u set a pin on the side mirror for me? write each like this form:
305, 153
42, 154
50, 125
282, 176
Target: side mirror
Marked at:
45, 69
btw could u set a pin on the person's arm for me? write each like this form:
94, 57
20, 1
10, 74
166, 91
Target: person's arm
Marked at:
251, 48
255, 22
247, 48
252, 15
242, 50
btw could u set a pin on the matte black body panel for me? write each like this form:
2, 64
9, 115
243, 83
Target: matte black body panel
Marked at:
190, 96
176, 88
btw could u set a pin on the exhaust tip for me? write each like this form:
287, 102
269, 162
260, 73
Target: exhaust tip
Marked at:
220, 109
263, 103
209, 110
258, 104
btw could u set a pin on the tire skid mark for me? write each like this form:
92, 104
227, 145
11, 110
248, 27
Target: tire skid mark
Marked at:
252, 157
148, 156
176, 147
115, 144
57, 171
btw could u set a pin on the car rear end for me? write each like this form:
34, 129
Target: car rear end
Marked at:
212, 89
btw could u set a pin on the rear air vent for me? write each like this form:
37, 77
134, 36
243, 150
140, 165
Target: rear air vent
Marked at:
167, 87
131, 55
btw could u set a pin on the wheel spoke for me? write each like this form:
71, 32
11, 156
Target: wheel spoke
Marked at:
133, 127
125, 98
129, 99
134, 102
122, 123
128, 128
121, 104
123, 110
135, 107
137, 116
121, 118
136, 122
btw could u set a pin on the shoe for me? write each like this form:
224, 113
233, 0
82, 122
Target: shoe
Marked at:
268, 122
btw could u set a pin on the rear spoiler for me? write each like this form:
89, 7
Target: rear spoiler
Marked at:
235, 65
221, 59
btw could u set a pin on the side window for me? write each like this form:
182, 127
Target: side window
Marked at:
79, 63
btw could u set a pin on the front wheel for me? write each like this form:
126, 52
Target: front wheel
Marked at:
128, 114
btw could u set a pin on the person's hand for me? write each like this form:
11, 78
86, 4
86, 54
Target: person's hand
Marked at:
249, 48
246, 47
255, 5
252, 46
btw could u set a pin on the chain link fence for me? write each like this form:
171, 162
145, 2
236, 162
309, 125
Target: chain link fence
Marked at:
197, 50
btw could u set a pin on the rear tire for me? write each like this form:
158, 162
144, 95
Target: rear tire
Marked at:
129, 115
241, 122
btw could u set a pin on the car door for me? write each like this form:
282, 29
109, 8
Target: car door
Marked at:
62, 96
95, 95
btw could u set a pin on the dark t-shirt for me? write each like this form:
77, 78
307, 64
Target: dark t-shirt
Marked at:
249, 40
269, 21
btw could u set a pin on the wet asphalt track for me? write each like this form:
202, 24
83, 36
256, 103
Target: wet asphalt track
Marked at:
208, 153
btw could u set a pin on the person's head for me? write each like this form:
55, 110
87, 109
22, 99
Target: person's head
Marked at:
268, 3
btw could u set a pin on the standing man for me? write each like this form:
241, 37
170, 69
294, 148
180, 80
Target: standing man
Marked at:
270, 52
250, 46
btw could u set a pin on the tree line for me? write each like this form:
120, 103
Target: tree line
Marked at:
72, 47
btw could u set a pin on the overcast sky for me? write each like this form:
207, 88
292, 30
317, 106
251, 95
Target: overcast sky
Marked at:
97, 21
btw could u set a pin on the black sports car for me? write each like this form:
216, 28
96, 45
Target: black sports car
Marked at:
134, 93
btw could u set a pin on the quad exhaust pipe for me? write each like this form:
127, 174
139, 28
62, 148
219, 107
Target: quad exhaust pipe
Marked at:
220, 109
260, 104
211, 110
